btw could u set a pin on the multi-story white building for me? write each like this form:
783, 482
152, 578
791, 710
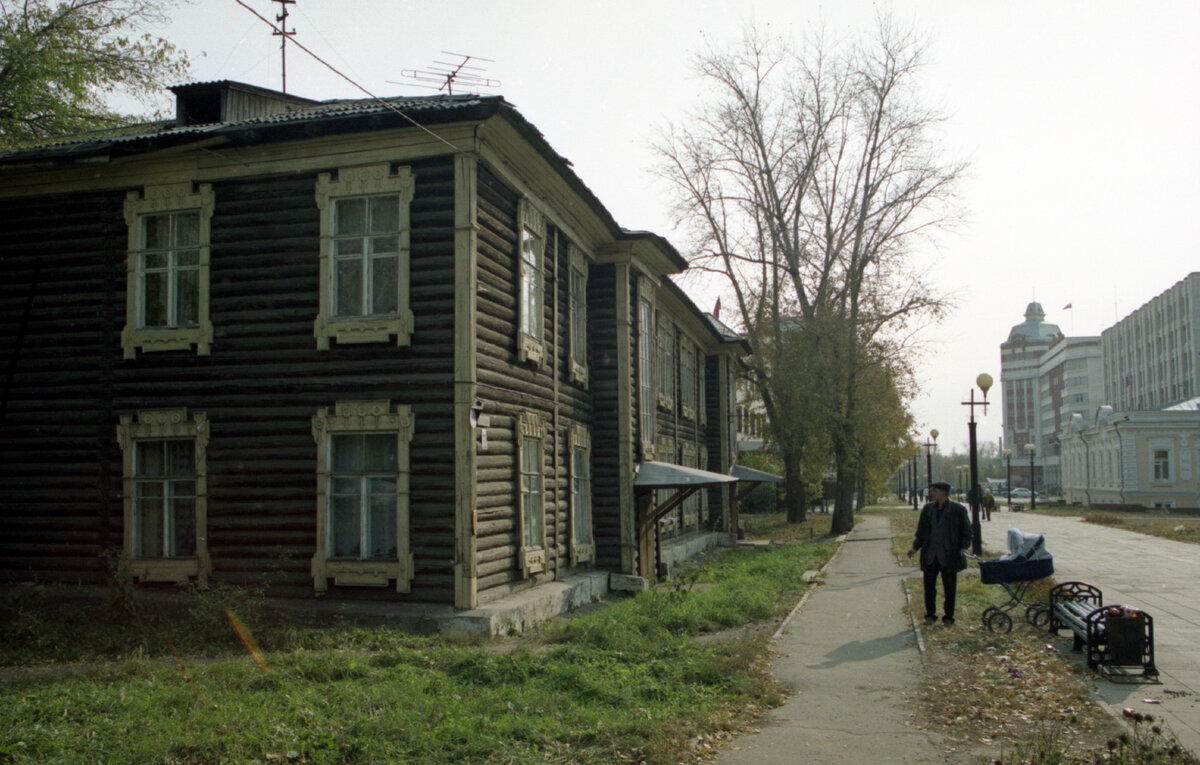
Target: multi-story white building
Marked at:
1070, 381
1020, 359
1152, 356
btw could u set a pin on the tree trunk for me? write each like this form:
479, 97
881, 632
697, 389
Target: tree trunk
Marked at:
793, 483
843, 493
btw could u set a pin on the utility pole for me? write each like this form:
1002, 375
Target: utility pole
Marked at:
285, 33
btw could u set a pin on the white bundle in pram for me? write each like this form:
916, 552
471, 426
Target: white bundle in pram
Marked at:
1023, 547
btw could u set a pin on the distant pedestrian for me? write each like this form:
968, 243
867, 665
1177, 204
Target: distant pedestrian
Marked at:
989, 504
943, 536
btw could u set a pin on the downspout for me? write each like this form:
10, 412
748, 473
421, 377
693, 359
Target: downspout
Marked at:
1087, 469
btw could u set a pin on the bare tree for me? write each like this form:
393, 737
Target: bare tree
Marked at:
803, 181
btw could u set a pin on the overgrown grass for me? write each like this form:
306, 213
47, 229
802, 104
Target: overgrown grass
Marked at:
633, 681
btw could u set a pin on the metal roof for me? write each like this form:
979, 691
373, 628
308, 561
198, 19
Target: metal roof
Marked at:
750, 475
663, 475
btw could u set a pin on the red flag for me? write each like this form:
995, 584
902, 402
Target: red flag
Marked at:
1065, 307
717, 309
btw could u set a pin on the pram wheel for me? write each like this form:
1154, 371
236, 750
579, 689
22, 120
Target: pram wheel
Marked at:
1038, 616
998, 621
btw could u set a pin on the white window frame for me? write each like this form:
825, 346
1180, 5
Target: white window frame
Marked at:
360, 181
160, 200
531, 284
1161, 471
702, 386
158, 425
352, 417
531, 493
690, 509
647, 385
583, 544
577, 281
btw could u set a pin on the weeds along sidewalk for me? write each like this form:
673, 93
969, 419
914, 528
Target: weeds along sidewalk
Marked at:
850, 655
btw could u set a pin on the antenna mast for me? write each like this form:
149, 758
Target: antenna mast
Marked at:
446, 73
285, 33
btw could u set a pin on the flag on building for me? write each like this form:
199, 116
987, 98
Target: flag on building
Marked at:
1065, 307
717, 309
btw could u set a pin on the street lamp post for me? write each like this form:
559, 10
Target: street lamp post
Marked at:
1008, 481
929, 447
1031, 448
913, 483
984, 381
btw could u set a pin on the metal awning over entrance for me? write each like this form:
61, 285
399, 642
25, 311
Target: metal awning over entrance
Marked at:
663, 475
677, 483
750, 475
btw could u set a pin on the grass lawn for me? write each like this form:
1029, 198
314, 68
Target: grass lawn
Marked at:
641, 680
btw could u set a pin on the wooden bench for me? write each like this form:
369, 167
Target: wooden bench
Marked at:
1116, 637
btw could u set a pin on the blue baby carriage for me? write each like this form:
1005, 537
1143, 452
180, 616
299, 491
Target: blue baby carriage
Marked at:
1027, 561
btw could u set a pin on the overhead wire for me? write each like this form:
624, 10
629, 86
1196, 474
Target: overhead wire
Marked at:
332, 68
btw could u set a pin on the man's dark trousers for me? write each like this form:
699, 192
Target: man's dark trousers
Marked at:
949, 587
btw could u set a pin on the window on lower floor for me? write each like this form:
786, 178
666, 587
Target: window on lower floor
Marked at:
582, 544
1162, 465
531, 451
362, 495
165, 494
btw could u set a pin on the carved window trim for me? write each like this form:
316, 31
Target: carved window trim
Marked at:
363, 180
702, 386
646, 383
166, 424
363, 417
153, 200
667, 365
687, 378
531, 429
583, 541
531, 285
577, 283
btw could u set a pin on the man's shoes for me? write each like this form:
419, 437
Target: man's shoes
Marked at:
930, 619
948, 621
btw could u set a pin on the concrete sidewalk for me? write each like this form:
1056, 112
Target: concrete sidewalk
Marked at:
851, 655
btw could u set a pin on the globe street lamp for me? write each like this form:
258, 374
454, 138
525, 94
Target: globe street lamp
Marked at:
929, 447
1008, 481
1031, 448
984, 381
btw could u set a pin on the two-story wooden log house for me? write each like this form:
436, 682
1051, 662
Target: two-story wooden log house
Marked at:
390, 350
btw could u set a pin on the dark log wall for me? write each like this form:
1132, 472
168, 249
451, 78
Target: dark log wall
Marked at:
606, 445
508, 387
260, 386
61, 283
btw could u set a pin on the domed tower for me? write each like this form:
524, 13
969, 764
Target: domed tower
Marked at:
1019, 357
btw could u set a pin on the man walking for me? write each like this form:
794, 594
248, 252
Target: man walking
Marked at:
943, 536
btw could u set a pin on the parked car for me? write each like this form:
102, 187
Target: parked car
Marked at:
1021, 493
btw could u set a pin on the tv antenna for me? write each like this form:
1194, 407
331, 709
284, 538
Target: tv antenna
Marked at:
285, 33
443, 75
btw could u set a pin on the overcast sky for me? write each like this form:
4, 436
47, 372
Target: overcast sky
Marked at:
1079, 120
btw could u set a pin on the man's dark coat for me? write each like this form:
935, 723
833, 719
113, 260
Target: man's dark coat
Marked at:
946, 547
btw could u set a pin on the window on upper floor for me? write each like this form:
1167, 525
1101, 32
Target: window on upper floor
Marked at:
687, 378
364, 256
532, 299
646, 368
666, 363
167, 269
362, 495
165, 494
577, 288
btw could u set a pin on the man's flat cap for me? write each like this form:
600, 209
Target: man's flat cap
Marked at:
940, 485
